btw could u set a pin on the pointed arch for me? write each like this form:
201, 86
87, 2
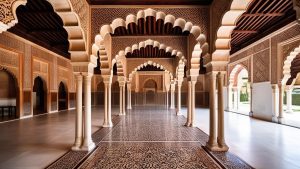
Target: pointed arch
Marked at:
287, 68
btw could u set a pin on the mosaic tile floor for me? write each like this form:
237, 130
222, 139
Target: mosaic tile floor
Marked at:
149, 138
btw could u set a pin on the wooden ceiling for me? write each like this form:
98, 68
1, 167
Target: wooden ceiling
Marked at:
38, 23
295, 69
149, 2
262, 18
149, 52
149, 26
150, 68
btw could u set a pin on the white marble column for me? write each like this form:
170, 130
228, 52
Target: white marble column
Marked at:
78, 124
275, 103
121, 100
251, 100
229, 93
167, 99
192, 104
221, 137
88, 143
124, 99
129, 96
172, 95
178, 113
189, 102
107, 104
280, 110
235, 98
289, 107
212, 142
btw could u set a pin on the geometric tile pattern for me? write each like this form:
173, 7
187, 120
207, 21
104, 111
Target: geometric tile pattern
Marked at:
149, 137
149, 155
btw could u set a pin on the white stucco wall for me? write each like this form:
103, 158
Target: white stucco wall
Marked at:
262, 101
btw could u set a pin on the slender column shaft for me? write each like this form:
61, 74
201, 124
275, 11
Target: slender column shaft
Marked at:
229, 89
129, 96
221, 138
280, 111
88, 143
289, 100
123, 104
188, 122
179, 100
78, 132
172, 99
212, 142
167, 99
107, 105
251, 101
121, 100
192, 103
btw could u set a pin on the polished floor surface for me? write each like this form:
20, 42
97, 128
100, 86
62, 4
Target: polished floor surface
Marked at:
261, 144
36, 142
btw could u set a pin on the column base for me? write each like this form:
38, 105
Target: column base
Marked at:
187, 124
121, 114
107, 124
251, 113
88, 147
281, 120
178, 113
76, 145
274, 119
212, 146
216, 147
289, 111
129, 107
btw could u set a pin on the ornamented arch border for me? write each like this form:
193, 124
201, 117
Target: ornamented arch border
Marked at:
229, 21
200, 49
149, 63
63, 8
11, 73
235, 71
288, 64
120, 58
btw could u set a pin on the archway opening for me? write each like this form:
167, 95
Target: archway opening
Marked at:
62, 97
8, 96
150, 88
39, 96
291, 103
240, 93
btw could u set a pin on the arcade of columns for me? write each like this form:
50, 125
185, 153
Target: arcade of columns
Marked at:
83, 67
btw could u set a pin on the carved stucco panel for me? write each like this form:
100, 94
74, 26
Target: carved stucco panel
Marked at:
261, 66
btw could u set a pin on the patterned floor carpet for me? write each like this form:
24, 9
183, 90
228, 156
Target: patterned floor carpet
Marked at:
149, 138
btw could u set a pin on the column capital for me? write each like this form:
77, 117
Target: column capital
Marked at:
107, 79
